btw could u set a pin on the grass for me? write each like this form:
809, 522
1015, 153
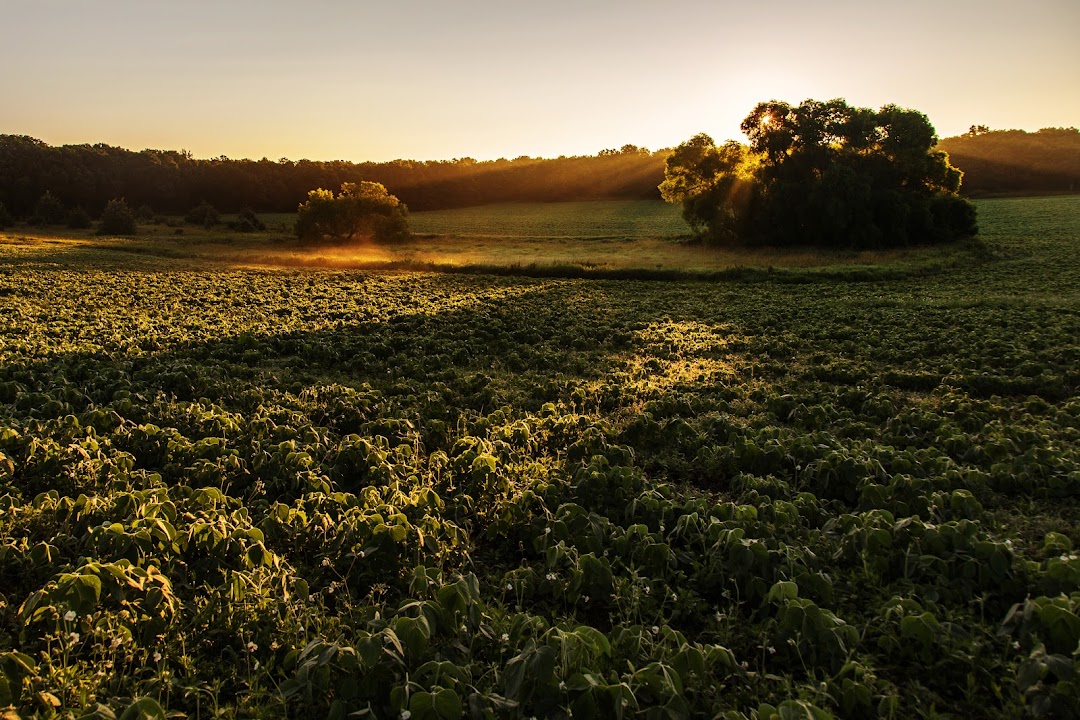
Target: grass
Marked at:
613, 239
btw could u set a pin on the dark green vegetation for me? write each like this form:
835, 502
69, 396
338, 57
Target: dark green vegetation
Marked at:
117, 219
360, 211
174, 182
304, 494
1008, 162
821, 174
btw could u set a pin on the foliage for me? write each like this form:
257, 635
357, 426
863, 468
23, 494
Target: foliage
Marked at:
822, 173
48, 210
78, 218
170, 180
715, 185
6, 220
117, 219
360, 210
1015, 161
203, 214
248, 222
240, 493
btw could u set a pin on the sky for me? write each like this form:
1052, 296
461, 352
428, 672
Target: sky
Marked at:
441, 79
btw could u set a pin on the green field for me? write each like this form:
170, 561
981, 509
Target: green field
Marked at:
613, 239
824, 491
614, 219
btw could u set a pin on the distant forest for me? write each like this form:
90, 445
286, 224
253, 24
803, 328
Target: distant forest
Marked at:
1007, 162
173, 182
168, 181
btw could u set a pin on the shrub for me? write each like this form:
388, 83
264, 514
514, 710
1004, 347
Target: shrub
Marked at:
203, 214
5, 217
117, 219
144, 214
78, 218
248, 222
49, 211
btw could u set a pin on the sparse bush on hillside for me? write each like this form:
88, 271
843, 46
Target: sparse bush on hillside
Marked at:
360, 210
203, 214
48, 211
78, 218
145, 214
117, 219
6, 220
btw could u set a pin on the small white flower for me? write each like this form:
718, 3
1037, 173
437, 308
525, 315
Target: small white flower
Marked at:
655, 629
405, 715
74, 637
562, 684
69, 616
648, 590
504, 637
674, 597
251, 647
771, 649
547, 531
551, 576
255, 666
586, 598
509, 586
157, 656
362, 554
1016, 644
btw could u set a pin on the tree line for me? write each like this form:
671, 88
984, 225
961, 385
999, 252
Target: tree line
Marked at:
87, 177
1005, 162
173, 182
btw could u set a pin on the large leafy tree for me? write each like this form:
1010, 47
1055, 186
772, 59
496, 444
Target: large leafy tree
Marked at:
363, 210
822, 173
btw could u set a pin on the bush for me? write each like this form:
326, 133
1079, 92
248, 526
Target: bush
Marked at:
144, 214
5, 217
49, 211
203, 214
117, 219
360, 210
78, 218
248, 222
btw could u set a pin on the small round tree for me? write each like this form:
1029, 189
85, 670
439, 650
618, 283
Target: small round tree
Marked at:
363, 210
117, 219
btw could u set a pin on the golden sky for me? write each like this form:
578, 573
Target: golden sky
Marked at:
438, 79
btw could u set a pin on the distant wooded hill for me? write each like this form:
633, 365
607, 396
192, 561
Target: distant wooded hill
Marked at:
172, 182
168, 181
1017, 162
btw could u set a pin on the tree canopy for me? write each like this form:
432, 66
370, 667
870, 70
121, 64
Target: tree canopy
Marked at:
821, 173
360, 210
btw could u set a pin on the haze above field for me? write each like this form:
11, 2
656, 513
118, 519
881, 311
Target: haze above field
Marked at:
432, 80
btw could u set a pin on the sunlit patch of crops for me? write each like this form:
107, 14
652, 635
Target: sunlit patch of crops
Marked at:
302, 492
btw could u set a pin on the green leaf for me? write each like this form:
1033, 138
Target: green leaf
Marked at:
144, 709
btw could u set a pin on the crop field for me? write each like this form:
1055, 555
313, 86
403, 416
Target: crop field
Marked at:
309, 492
